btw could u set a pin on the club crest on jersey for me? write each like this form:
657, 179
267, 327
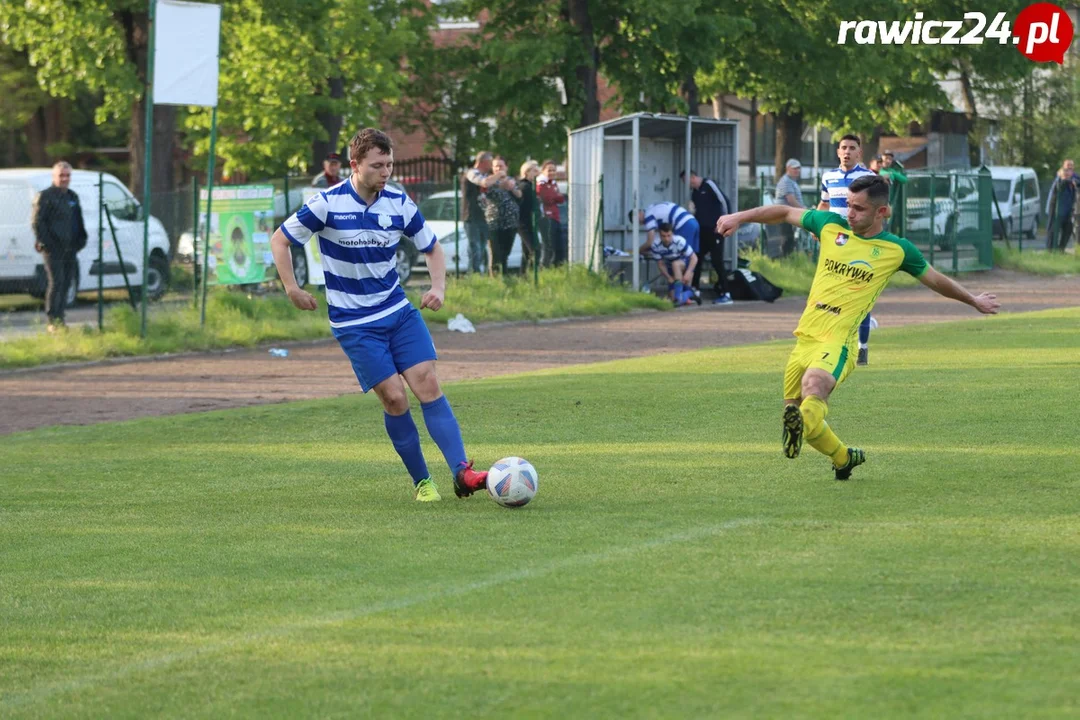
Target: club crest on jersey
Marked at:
841, 238
384, 221
875, 252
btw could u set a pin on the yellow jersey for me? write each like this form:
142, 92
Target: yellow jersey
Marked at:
851, 273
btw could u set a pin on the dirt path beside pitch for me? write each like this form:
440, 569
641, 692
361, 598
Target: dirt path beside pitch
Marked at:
112, 391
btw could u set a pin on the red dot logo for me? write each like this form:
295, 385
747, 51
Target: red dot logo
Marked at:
1043, 32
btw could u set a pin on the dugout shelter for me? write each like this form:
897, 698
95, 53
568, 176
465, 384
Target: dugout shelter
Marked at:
634, 161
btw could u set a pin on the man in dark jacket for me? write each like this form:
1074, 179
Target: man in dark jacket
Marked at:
1062, 206
60, 234
710, 204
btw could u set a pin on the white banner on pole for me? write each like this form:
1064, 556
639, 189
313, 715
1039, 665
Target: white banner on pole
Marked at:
187, 37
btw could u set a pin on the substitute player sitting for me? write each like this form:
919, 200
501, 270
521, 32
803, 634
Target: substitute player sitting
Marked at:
857, 259
676, 261
359, 223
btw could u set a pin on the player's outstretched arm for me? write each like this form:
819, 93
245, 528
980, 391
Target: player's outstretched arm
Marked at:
944, 285
768, 214
279, 246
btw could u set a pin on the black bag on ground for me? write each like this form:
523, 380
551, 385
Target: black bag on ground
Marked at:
746, 285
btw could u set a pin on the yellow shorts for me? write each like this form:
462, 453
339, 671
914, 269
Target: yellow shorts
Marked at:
836, 359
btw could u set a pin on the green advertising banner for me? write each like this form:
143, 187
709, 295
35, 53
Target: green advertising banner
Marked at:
241, 224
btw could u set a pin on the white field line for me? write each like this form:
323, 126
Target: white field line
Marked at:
45, 691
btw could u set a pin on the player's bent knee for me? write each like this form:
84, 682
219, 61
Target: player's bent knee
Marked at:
424, 381
391, 393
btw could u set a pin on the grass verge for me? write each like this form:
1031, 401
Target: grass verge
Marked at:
1038, 262
270, 561
562, 292
234, 319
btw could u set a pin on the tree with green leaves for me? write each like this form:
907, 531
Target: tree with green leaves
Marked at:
293, 74
298, 78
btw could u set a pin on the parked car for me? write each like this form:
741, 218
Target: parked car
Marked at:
1009, 184
21, 267
438, 211
955, 208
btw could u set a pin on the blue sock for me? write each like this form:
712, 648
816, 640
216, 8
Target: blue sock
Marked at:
677, 289
864, 331
445, 431
406, 440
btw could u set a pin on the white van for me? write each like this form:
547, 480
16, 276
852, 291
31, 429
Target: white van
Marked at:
21, 267
1009, 183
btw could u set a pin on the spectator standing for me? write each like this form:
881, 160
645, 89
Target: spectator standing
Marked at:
550, 199
59, 235
529, 207
1062, 207
893, 171
501, 212
331, 174
789, 193
710, 204
474, 186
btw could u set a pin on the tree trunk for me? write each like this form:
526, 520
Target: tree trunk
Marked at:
690, 95
753, 141
331, 122
35, 139
789, 126
872, 146
719, 107
163, 143
586, 70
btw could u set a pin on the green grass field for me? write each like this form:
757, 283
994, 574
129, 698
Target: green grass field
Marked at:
269, 562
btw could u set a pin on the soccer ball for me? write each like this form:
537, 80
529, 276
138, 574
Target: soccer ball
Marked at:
512, 482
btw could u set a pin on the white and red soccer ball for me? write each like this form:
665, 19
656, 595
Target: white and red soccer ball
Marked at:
512, 482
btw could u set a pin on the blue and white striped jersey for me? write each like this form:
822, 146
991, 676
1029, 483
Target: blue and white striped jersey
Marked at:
834, 187
679, 249
358, 244
669, 212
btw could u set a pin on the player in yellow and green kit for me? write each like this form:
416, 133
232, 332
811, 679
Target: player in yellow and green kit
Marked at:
856, 261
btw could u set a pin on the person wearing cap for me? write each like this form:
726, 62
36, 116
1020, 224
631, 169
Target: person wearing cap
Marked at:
788, 193
331, 174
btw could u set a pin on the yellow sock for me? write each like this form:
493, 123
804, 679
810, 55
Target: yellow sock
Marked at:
818, 433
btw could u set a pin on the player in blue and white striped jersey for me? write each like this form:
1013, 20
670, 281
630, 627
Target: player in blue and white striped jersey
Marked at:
676, 260
834, 194
358, 224
675, 215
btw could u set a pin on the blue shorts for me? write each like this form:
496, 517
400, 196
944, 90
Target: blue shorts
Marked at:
692, 232
387, 346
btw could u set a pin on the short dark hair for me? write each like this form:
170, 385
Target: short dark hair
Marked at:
632, 216
876, 187
664, 227
854, 138
365, 140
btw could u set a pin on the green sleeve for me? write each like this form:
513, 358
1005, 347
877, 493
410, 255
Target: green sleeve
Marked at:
914, 263
815, 220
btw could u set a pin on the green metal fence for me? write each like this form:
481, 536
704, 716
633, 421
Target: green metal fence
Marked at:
948, 214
